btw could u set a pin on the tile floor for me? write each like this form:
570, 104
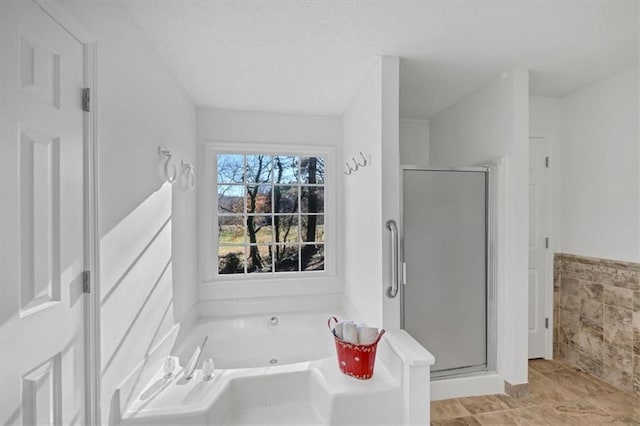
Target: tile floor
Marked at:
558, 395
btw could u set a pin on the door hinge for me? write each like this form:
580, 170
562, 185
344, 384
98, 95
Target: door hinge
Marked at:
86, 99
546, 242
546, 323
86, 281
546, 162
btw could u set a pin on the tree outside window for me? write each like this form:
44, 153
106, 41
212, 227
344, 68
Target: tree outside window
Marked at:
271, 213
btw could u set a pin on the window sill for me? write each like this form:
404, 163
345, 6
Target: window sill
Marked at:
294, 284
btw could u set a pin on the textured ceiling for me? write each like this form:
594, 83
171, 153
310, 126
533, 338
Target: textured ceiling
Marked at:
310, 57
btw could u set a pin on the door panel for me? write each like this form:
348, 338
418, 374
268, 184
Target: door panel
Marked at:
538, 232
444, 228
41, 220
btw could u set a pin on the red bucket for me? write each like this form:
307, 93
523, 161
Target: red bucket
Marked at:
355, 360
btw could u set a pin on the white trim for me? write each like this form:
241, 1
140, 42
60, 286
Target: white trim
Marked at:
95, 371
91, 208
494, 251
474, 385
214, 286
498, 199
66, 20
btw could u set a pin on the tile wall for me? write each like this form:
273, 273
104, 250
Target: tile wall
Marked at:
597, 318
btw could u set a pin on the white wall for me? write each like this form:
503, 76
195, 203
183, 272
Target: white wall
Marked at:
147, 227
475, 129
600, 169
414, 142
494, 122
389, 121
262, 127
545, 122
215, 125
370, 125
544, 115
362, 201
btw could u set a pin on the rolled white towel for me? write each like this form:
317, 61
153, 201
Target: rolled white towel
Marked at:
367, 335
350, 332
337, 330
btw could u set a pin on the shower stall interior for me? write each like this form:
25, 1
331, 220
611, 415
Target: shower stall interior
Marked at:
447, 302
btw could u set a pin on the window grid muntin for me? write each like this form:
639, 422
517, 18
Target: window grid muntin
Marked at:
299, 243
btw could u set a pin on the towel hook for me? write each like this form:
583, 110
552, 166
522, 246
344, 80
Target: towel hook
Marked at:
350, 169
357, 164
364, 160
188, 171
170, 171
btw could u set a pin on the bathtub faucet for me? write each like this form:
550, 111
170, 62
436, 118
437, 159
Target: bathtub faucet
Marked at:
190, 369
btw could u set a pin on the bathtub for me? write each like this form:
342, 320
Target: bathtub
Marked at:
260, 340
279, 369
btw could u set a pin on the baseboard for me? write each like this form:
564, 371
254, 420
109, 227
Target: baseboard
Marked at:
516, 391
472, 385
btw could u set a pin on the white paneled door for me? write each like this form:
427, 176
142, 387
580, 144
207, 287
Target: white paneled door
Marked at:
41, 220
539, 226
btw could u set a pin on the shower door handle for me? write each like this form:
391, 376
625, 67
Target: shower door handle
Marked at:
392, 291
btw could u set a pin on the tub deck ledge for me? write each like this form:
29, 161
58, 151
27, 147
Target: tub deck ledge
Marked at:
240, 389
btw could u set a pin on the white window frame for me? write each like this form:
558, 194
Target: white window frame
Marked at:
209, 233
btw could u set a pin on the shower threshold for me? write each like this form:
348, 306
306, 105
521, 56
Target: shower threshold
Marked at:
458, 372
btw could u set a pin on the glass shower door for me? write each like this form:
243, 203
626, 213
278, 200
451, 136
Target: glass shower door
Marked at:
445, 256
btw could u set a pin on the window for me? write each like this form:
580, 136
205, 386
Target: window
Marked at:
270, 212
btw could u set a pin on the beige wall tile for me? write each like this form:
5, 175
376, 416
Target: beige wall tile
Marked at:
617, 296
591, 364
636, 374
618, 336
570, 286
568, 335
618, 358
620, 278
620, 379
570, 303
616, 316
590, 341
591, 313
568, 354
591, 291
596, 310
635, 284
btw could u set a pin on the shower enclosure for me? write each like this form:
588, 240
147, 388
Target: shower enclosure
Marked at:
446, 300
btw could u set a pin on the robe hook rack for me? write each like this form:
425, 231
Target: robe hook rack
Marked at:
171, 173
354, 165
170, 170
189, 174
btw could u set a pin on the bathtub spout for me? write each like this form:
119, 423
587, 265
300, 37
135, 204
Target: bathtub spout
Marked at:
190, 369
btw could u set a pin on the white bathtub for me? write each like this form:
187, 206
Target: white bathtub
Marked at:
260, 340
280, 369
